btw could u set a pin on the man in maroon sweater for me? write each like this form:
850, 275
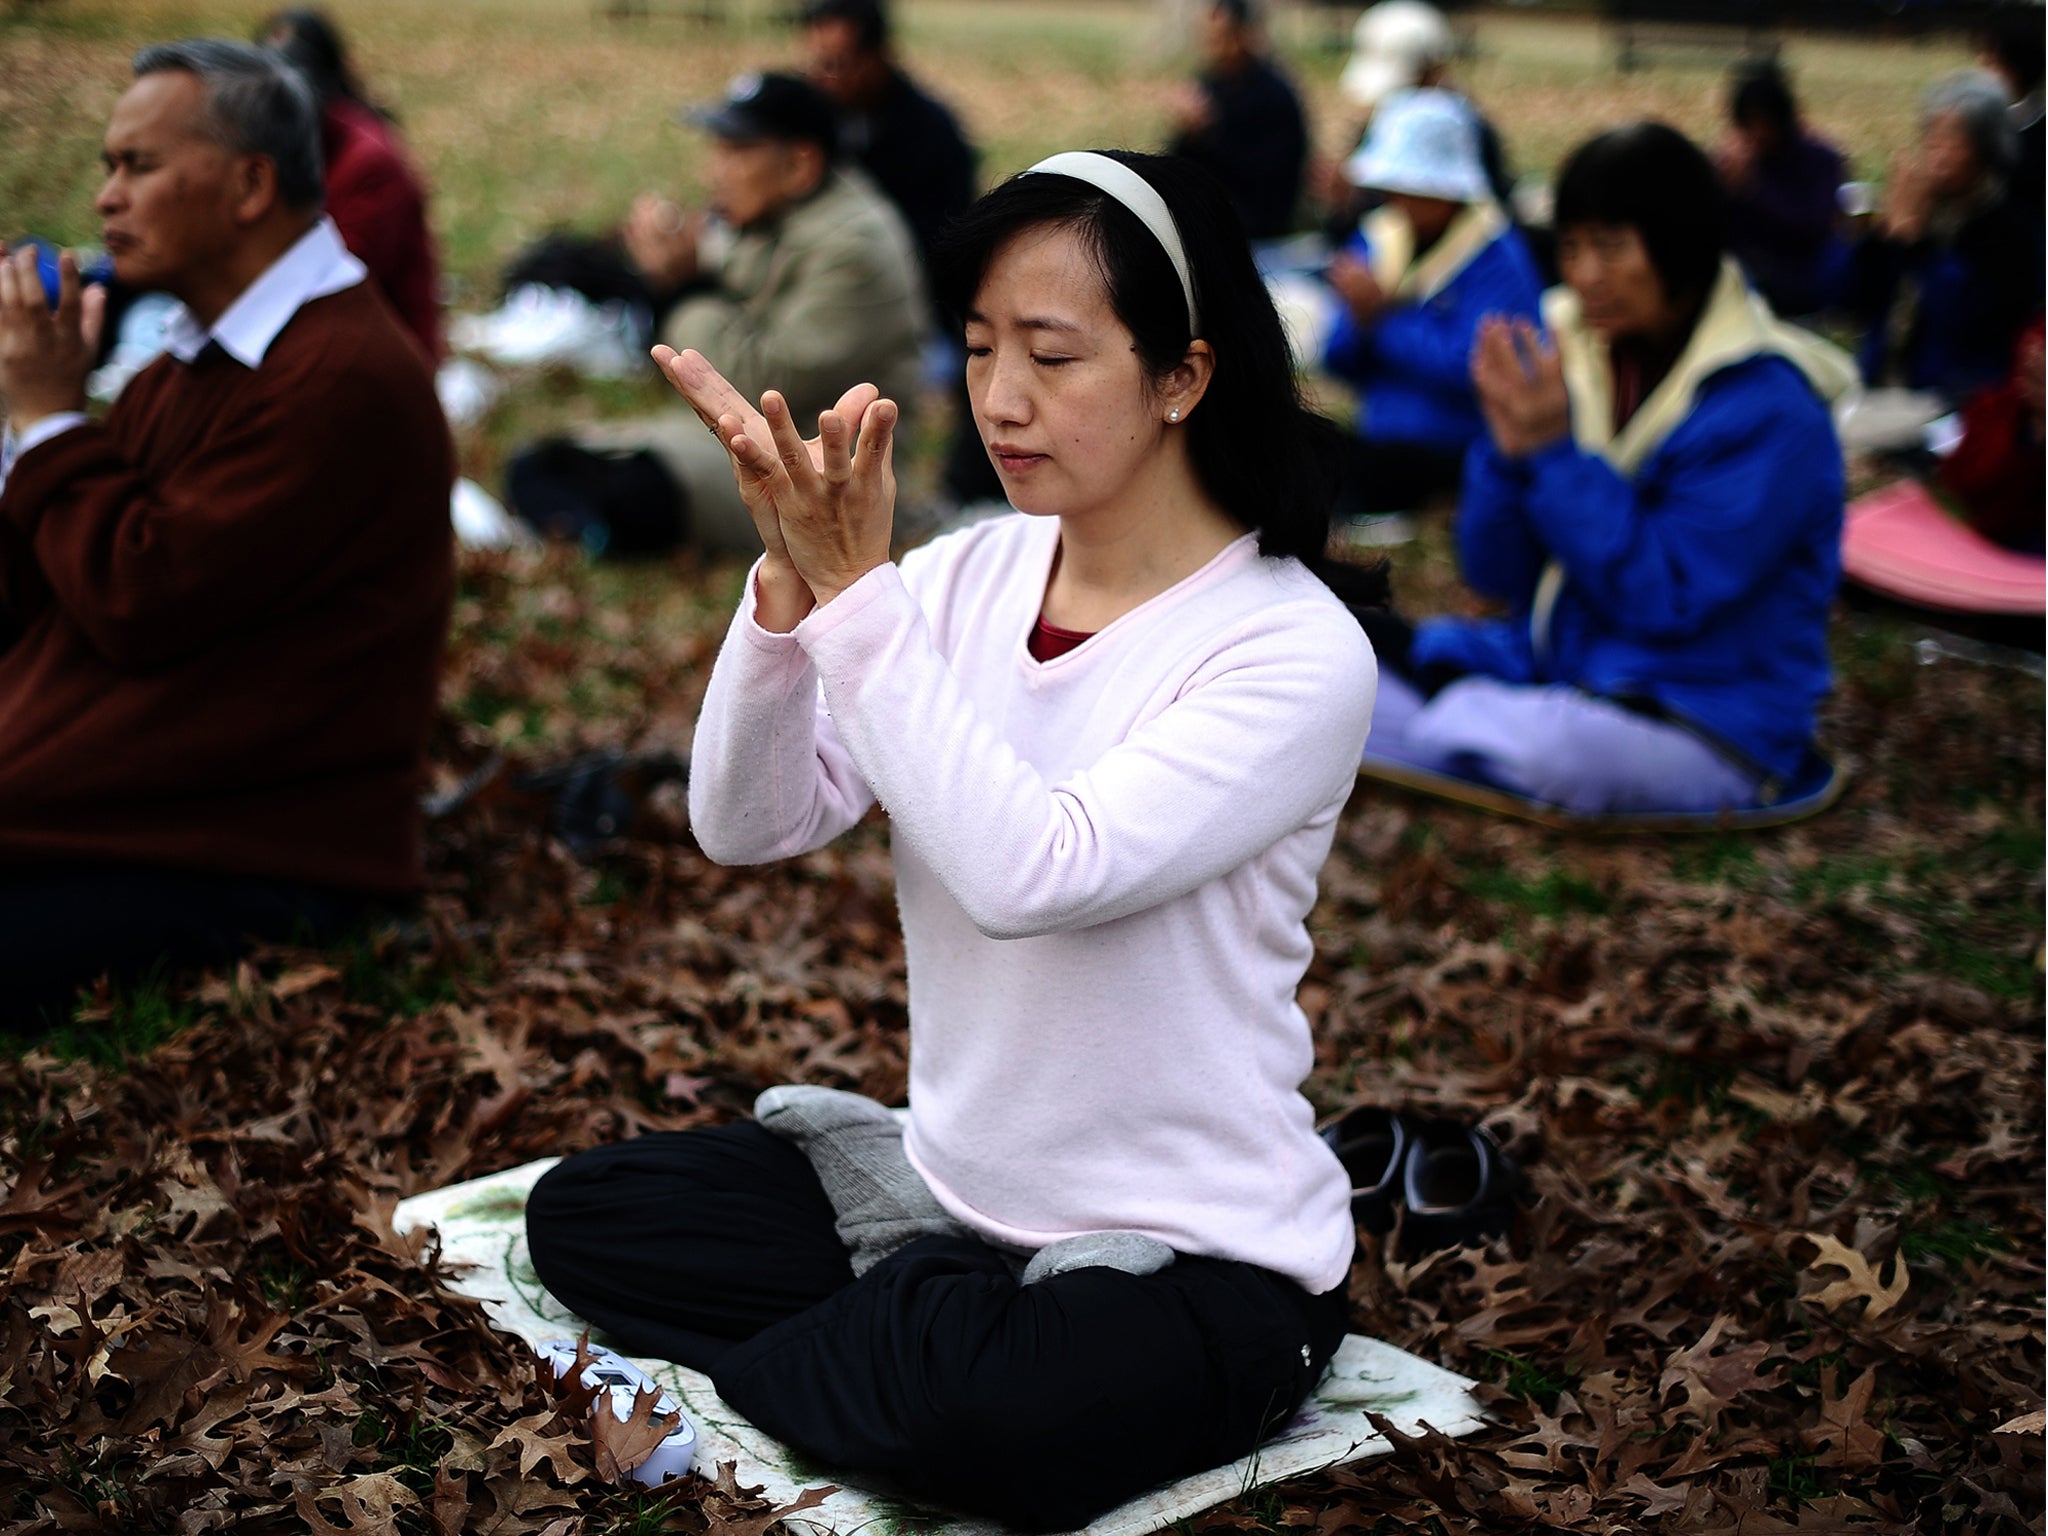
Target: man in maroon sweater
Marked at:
222, 609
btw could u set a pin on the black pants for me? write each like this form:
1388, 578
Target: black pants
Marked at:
1387, 476
1041, 1405
62, 929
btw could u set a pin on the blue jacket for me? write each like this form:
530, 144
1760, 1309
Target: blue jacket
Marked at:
1700, 586
1973, 295
1412, 363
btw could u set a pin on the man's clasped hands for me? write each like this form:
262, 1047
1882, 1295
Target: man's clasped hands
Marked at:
824, 508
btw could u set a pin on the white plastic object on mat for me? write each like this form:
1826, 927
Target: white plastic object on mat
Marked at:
620, 1379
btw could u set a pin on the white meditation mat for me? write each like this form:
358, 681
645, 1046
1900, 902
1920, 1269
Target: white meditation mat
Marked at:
483, 1240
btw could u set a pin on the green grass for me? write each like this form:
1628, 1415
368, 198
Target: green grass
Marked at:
382, 970
140, 1018
282, 1281
1953, 1243
1796, 1478
1554, 893
412, 1448
1529, 1380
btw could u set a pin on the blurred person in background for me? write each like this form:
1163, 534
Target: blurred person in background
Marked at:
1415, 281
373, 193
1951, 272
1783, 186
1657, 502
914, 149
2010, 46
222, 608
818, 289
1398, 45
907, 141
1998, 470
1241, 121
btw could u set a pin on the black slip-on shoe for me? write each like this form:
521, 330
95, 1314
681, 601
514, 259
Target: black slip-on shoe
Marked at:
1373, 1145
1459, 1186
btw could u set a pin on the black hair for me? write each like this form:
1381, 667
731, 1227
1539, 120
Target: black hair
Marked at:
1759, 93
1258, 450
1654, 179
870, 21
311, 42
1239, 11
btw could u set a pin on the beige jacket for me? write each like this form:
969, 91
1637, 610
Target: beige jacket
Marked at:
825, 296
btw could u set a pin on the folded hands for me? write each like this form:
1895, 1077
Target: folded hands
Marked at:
824, 507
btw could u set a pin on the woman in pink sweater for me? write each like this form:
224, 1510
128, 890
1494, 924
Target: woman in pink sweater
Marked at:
1113, 734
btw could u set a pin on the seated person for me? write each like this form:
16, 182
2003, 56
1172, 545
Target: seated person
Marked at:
1113, 732
374, 195
1241, 121
1422, 270
2010, 47
1398, 45
818, 290
224, 606
912, 147
907, 141
1783, 186
1951, 273
1996, 471
1658, 502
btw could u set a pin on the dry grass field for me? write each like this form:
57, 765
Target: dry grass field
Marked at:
1780, 1095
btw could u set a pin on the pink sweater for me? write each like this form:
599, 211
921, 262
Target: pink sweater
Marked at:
1104, 863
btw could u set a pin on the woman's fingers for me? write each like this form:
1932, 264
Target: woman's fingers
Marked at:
702, 386
782, 429
835, 457
754, 460
1493, 357
877, 447
853, 405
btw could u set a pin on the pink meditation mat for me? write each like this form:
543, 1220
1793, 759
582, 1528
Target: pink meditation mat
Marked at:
1900, 541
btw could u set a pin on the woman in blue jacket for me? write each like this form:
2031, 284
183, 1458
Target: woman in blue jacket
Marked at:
1658, 504
1423, 269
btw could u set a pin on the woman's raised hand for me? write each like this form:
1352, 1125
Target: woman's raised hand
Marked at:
1520, 383
824, 508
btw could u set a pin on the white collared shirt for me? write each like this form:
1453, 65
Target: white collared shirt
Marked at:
316, 265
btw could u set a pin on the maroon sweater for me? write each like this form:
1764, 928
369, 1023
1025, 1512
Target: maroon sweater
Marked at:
231, 599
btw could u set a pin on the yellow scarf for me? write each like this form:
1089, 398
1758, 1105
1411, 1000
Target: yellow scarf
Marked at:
1735, 325
1391, 255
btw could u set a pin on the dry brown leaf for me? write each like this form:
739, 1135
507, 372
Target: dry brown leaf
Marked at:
1862, 1282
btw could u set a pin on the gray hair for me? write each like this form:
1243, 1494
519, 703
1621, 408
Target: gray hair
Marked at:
1977, 100
256, 104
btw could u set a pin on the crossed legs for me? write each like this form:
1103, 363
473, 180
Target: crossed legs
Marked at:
1042, 1405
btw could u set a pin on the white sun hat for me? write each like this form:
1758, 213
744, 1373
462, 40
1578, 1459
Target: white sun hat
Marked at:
1424, 143
1394, 44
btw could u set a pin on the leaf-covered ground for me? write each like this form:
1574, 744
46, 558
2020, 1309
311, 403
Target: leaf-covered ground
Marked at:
1780, 1097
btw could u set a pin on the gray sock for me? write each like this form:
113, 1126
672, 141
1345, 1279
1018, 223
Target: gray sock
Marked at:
1132, 1252
856, 1148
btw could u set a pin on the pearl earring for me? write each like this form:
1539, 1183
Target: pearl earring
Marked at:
1174, 414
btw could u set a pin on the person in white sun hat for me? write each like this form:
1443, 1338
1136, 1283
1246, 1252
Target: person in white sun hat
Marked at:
1396, 46
1415, 280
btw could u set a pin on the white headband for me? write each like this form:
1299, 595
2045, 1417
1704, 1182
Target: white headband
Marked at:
1136, 194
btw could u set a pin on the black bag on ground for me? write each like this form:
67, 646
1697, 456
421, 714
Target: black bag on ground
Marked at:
596, 268
614, 502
